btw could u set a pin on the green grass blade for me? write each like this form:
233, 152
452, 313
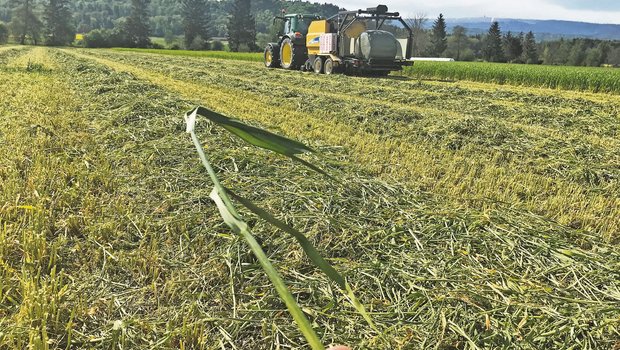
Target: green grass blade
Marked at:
360, 307
306, 245
191, 123
232, 218
229, 215
255, 136
311, 252
240, 227
313, 167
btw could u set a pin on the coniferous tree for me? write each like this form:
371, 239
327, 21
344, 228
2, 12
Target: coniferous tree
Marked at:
137, 29
439, 40
24, 21
530, 52
195, 21
58, 28
4, 33
493, 51
513, 49
241, 27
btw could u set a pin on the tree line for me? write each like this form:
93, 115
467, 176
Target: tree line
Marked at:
497, 46
105, 22
51, 22
27, 26
247, 25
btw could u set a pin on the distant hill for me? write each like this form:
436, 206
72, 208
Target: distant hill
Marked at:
544, 29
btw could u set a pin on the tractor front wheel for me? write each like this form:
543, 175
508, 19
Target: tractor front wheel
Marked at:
272, 56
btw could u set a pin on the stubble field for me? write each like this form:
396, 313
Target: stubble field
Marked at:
466, 215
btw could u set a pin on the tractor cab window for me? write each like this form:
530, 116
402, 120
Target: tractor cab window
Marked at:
297, 24
287, 26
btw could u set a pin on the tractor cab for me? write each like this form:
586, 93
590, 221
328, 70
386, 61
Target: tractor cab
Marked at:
295, 23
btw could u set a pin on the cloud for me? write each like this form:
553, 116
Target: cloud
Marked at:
598, 5
572, 10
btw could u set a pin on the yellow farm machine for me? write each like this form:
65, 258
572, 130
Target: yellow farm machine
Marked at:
354, 42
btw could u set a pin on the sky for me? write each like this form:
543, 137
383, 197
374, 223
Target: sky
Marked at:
595, 11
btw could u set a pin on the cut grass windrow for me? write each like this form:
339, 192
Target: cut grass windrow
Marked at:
9, 52
108, 238
237, 56
574, 114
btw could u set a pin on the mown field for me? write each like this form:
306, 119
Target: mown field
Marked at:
464, 215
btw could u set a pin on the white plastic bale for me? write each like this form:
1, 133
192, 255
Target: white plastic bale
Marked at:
378, 44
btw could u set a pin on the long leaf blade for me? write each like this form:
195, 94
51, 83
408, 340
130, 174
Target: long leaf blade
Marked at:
305, 244
255, 136
239, 226
311, 252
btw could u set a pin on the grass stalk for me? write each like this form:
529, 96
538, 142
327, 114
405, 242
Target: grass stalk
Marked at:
236, 223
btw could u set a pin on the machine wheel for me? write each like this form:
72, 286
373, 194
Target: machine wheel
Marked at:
330, 66
291, 56
271, 56
308, 66
318, 65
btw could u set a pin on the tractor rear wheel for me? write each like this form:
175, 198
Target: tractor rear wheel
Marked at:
318, 65
291, 55
272, 56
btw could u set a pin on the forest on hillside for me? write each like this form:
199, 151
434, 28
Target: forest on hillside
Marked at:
165, 15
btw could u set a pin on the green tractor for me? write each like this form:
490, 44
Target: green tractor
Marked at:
290, 51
